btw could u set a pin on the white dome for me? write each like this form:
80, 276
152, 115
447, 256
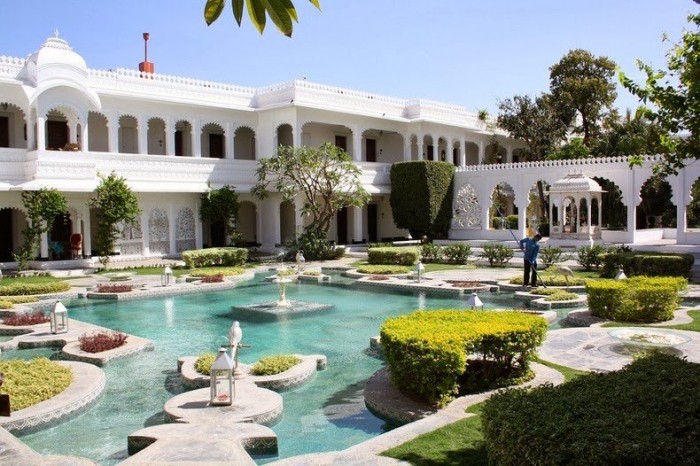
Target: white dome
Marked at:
575, 183
56, 51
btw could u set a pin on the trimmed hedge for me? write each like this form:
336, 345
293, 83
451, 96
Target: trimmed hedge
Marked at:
647, 263
203, 363
31, 382
23, 289
393, 256
550, 280
421, 197
457, 253
497, 254
385, 269
276, 364
645, 413
215, 256
637, 299
426, 351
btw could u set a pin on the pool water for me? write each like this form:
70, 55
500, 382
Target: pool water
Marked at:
326, 414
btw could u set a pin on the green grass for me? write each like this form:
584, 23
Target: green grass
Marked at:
204, 271
145, 271
568, 372
459, 443
428, 267
693, 326
7, 281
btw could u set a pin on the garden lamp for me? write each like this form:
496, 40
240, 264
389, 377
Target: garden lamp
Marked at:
620, 274
221, 383
419, 269
59, 318
166, 276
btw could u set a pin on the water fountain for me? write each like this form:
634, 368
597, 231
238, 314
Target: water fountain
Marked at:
281, 307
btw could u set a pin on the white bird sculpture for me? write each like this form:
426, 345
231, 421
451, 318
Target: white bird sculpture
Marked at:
566, 272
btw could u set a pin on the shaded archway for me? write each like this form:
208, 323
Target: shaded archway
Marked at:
285, 135
98, 132
656, 209
502, 206
12, 223
692, 211
538, 208
471, 150
613, 210
128, 135
183, 138
247, 222
13, 126
156, 144
57, 133
428, 148
213, 141
244, 144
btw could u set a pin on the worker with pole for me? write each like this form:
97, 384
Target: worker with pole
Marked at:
531, 248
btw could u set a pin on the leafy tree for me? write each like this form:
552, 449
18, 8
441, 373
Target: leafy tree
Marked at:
574, 149
325, 177
675, 94
116, 203
538, 124
42, 207
221, 205
631, 135
281, 12
582, 85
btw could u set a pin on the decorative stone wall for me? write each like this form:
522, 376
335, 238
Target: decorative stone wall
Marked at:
185, 239
159, 232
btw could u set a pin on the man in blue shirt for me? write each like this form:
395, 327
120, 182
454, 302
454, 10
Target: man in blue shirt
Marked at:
531, 247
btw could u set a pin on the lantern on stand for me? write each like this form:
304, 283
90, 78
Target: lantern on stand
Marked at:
59, 318
621, 274
221, 385
301, 261
167, 276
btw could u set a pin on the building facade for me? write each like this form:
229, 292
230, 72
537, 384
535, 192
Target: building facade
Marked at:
63, 124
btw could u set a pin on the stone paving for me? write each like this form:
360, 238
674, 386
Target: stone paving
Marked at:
581, 348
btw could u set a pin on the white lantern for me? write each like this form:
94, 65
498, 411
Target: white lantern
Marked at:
166, 276
59, 318
301, 261
474, 302
221, 385
621, 274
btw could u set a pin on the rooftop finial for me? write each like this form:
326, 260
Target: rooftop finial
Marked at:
55, 33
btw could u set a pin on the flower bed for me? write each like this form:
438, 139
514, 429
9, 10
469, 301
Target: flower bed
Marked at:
101, 341
114, 288
26, 318
216, 278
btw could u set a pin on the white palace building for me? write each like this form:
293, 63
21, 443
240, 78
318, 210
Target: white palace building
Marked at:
63, 124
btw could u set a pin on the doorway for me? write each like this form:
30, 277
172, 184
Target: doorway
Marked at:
372, 222
342, 224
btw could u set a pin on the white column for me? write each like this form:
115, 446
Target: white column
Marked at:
588, 211
357, 224
407, 147
170, 137
84, 136
357, 144
142, 131
146, 237
462, 152
420, 144
41, 133
198, 241
31, 135
172, 227
44, 246
72, 130
270, 234
87, 234
196, 138
113, 133
297, 135
482, 152
509, 154
228, 128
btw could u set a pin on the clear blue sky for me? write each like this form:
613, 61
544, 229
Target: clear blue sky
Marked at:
464, 52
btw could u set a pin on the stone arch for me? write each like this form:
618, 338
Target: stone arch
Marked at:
185, 234
613, 208
285, 135
692, 210
12, 222
244, 143
471, 152
156, 140
538, 206
519, 155
128, 134
467, 211
495, 153
316, 133
131, 239
428, 148
57, 128
183, 138
502, 205
158, 232
454, 154
13, 126
656, 210
247, 222
213, 141
98, 132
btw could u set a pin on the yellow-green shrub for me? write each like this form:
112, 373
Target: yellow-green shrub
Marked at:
393, 256
384, 269
31, 382
215, 256
638, 299
29, 288
203, 363
6, 304
20, 299
426, 351
276, 364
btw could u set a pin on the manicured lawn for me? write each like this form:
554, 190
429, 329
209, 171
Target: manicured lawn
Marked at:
145, 271
428, 267
459, 443
693, 326
7, 281
567, 372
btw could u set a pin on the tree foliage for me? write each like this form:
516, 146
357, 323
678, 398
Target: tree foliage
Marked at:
582, 85
42, 207
675, 96
116, 203
631, 135
324, 177
281, 12
221, 205
535, 122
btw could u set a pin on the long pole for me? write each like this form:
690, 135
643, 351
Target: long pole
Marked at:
532, 266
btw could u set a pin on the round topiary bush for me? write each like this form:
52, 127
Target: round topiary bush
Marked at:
203, 363
427, 351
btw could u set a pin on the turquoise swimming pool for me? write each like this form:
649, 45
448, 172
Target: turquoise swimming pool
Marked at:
326, 414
